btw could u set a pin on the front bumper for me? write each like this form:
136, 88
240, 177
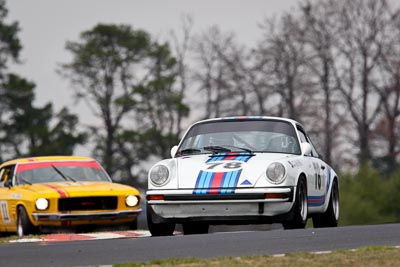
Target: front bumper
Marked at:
89, 216
251, 205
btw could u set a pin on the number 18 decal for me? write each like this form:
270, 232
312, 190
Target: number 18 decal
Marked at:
4, 211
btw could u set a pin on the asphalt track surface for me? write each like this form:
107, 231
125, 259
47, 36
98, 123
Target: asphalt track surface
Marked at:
108, 252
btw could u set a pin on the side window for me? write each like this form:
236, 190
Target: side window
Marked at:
302, 137
305, 138
3, 177
313, 151
6, 174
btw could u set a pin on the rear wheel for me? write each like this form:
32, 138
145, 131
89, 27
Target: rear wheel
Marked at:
330, 217
195, 228
300, 207
158, 229
24, 225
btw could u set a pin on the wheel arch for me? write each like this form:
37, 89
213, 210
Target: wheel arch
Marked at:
23, 205
329, 192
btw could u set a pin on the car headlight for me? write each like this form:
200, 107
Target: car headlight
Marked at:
42, 204
276, 172
159, 175
131, 200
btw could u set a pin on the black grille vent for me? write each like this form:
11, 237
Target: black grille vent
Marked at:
87, 203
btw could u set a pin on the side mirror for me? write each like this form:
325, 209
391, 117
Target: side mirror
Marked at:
174, 149
8, 183
305, 148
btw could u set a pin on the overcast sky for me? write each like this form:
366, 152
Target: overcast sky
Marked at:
47, 24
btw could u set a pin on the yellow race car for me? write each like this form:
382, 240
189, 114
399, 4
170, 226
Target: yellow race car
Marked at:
62, 191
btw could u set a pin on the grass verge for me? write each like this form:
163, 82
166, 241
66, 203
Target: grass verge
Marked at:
365, 256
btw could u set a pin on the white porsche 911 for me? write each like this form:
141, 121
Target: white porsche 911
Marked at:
242, 170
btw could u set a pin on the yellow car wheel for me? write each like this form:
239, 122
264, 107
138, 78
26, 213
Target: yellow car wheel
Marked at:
24, 225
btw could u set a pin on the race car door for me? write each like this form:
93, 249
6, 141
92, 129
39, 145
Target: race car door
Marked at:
7, 205
316, 182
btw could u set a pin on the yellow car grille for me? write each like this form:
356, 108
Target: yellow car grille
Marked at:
87, 203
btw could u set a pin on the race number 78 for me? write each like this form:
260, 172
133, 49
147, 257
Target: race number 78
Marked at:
225, 165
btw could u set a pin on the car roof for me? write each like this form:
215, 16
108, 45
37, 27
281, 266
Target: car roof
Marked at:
238, 118
46, 158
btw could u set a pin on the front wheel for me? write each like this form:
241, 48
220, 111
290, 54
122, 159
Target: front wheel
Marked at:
133, 225
158, 229
330, 217
300, 207
24, 225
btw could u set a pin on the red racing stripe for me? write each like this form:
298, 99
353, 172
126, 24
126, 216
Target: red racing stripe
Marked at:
61, 192
216, 183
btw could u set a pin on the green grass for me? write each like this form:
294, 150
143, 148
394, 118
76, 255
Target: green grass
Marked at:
365, 256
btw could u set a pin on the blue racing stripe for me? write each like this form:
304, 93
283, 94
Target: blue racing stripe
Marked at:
225, 183
233, 181
207, 182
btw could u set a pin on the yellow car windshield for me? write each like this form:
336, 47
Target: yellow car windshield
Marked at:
58, 171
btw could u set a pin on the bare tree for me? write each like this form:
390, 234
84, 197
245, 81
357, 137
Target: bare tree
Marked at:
283, 52
221, 74
362, 33
320, 31
388, 88
181, 47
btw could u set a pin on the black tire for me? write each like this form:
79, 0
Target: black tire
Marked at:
133, 225
330, 217
158, 229
300, 207
194, 228
86, 228
24, 225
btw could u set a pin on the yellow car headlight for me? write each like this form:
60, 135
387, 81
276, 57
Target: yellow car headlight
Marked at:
41, 204
131, 200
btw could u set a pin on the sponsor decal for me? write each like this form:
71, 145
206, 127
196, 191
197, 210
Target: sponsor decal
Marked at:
295, 163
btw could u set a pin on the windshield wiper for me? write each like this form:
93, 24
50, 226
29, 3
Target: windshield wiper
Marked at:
217, 149
241, 148
65, 177
189, 151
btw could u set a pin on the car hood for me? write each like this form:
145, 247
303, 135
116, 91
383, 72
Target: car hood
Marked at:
224, 171
77, 189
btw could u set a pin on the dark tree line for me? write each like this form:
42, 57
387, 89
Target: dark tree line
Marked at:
25, 129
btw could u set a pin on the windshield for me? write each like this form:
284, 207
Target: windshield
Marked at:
58, 171
245, 136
